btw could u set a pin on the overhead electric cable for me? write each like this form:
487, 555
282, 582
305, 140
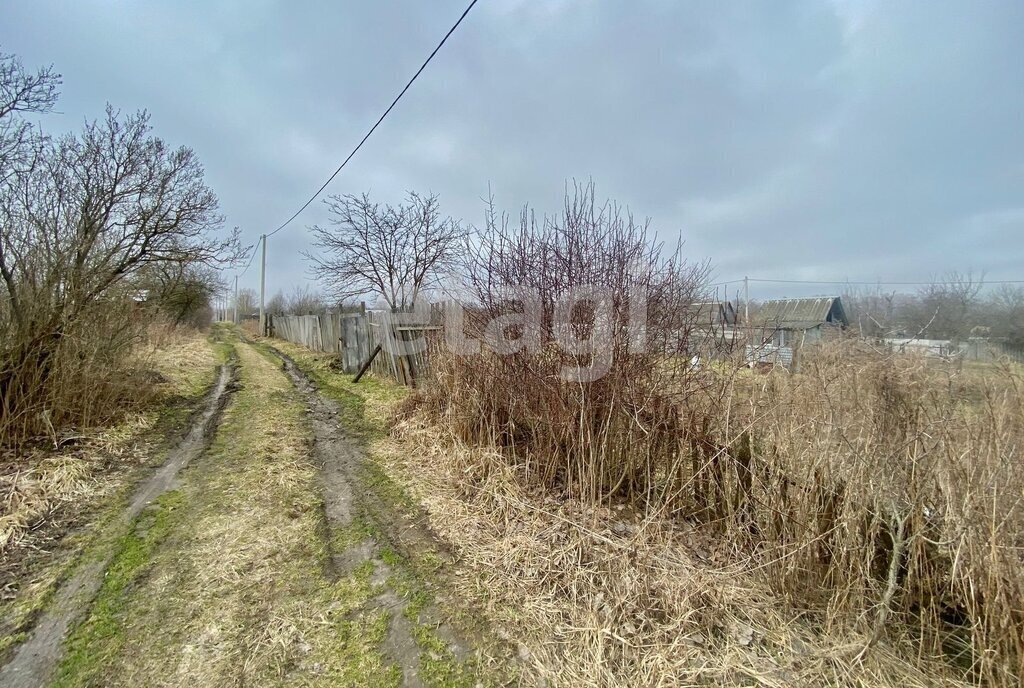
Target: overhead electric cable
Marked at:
377, 123
881, 282
251, 256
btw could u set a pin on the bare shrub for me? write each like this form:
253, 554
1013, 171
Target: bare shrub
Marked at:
83, 220
180, 292
612, 435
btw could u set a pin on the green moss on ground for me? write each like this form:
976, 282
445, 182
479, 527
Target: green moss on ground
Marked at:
96, 640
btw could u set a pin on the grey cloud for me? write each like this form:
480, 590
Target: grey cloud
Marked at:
848, 139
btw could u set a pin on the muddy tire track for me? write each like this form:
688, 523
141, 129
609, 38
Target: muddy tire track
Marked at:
35, 660
341, 458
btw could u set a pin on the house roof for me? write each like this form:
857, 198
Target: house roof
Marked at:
801, 314
712, 313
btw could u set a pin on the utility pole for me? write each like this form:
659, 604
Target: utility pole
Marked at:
747, 343
746, 300
263, 288
234, 317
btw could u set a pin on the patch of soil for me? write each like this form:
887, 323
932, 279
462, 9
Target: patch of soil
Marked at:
341, 458
34, 661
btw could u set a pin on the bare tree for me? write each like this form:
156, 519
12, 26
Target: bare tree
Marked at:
82, 219
301, 301
871, 310
946, 308
277, 304
1004, 315
304, 301
395, 252
99, 208
22, 92
248, 302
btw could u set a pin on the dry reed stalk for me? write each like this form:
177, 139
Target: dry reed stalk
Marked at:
876, 496
609, 596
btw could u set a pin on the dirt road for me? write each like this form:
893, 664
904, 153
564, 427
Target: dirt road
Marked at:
35, 659
341, 458
261, 553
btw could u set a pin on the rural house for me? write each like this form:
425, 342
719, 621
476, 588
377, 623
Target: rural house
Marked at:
782, 326
713, 326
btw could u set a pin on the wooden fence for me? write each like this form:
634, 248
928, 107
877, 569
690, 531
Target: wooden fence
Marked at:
355, 336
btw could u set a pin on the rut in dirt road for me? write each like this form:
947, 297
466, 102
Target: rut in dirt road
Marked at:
340, 458
35, 660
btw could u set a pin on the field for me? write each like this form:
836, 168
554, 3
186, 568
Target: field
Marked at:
857, 523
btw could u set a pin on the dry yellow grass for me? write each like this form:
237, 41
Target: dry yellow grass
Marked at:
36, 483
859, 523
606, 597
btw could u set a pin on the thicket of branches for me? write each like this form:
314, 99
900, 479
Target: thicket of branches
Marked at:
91, 225
594, 437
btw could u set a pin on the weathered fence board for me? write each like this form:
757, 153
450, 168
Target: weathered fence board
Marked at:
353, 336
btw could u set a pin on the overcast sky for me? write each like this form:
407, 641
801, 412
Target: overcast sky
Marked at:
799, 140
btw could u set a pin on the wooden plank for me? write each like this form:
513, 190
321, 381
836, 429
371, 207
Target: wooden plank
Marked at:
366, 365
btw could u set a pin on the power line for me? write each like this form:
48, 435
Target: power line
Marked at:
374, 127
856, 283
875, 282
251, 256
363, 140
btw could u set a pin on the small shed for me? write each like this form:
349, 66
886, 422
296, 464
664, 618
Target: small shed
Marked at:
792, 322
712, 315
712, 327
781, 327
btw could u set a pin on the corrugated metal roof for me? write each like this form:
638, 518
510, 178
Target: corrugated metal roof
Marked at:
801, 313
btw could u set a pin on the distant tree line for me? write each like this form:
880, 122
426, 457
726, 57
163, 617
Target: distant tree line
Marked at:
302, 300
956, 306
